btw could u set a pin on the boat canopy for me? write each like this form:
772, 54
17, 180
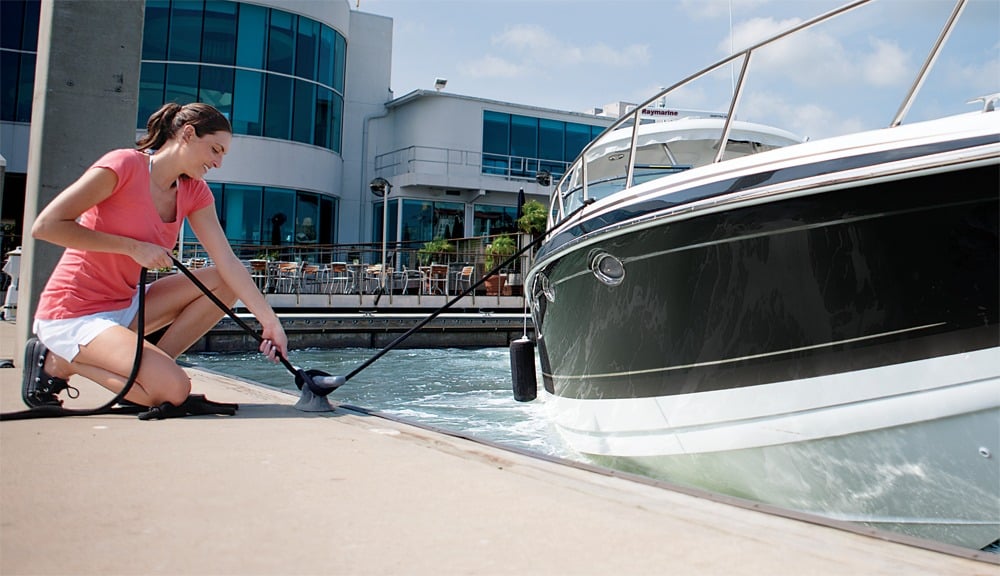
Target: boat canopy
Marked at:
663, 148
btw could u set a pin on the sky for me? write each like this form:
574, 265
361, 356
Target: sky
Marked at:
576, 55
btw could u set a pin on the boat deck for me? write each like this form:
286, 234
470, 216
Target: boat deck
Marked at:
276, 491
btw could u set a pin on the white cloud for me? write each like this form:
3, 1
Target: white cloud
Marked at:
490, 66
710, 9
536, 44
886, 65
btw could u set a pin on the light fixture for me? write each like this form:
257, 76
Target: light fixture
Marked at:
381, 188
440, 83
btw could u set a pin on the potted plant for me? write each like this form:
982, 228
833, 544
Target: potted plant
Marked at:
497, 252
534, 218
435, 250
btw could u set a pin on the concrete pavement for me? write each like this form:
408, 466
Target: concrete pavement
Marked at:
277, 491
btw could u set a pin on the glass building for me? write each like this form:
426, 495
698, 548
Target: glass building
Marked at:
314, 121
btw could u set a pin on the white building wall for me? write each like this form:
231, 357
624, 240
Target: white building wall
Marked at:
369, 66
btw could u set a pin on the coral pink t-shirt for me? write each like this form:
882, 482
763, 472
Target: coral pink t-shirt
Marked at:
88, 282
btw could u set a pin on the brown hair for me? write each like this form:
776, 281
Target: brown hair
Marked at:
171, 117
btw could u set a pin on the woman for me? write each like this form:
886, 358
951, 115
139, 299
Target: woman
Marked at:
124, 213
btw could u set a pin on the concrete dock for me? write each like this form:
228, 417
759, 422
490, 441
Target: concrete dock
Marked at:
276, 491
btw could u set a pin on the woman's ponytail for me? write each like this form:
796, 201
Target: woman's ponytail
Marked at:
171, 117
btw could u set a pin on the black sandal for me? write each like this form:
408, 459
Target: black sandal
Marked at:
38, 388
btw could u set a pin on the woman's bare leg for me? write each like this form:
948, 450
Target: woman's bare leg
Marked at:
176, 301
173, 301
108, 360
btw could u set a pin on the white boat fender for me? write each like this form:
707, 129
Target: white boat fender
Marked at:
522, 369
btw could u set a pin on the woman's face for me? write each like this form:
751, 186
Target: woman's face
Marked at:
204, 152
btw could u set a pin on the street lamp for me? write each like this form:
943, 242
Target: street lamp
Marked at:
381, 188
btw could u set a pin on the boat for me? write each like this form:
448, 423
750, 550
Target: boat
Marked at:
809, 323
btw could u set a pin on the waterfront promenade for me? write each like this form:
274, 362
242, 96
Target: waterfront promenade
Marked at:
277, 491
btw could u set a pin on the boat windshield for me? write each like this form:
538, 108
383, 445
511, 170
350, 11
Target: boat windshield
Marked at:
662, 149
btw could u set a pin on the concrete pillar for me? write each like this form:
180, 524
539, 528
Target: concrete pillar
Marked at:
85, 104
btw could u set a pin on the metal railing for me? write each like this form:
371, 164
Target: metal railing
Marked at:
456, 162
357, 268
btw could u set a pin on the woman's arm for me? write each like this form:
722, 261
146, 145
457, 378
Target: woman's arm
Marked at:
56, 223
206, 227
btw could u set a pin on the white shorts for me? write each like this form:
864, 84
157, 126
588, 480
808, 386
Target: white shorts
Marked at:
65, 336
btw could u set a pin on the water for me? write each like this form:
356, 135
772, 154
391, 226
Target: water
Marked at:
467, 391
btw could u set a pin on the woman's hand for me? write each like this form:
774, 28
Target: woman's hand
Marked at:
274, 342
151, 256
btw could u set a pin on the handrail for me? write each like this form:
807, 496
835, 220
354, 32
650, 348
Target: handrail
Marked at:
557, 206
928, 63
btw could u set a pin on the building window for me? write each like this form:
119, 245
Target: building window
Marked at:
216, 88
492, 220
424, 220
520, 146
184, 35
293, 63
241, 212
248, 103
280, 42
377, 221
18, 47
217, 45
251, 37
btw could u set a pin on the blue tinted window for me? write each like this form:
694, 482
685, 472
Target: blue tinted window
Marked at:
424, 220
577, 138
154, 34
378, 211
492, 220
252, 36
11, 23
278, 112
496, 133
327, 220
418, 224
26, 87
9, 66
280, 42
182, 83
151, 84
306, 218
29, 40
339, 61
323, 118
279, 214
550, 139
302, 112
306, 46
324, 69
216, 88
248, 98
241, 213
523, 136
184, 43
220, 30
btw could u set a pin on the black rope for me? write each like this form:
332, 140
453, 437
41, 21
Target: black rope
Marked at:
53, 411
222, 305
454, 300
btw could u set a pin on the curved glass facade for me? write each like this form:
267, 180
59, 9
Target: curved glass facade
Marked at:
234, 56
237, 56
